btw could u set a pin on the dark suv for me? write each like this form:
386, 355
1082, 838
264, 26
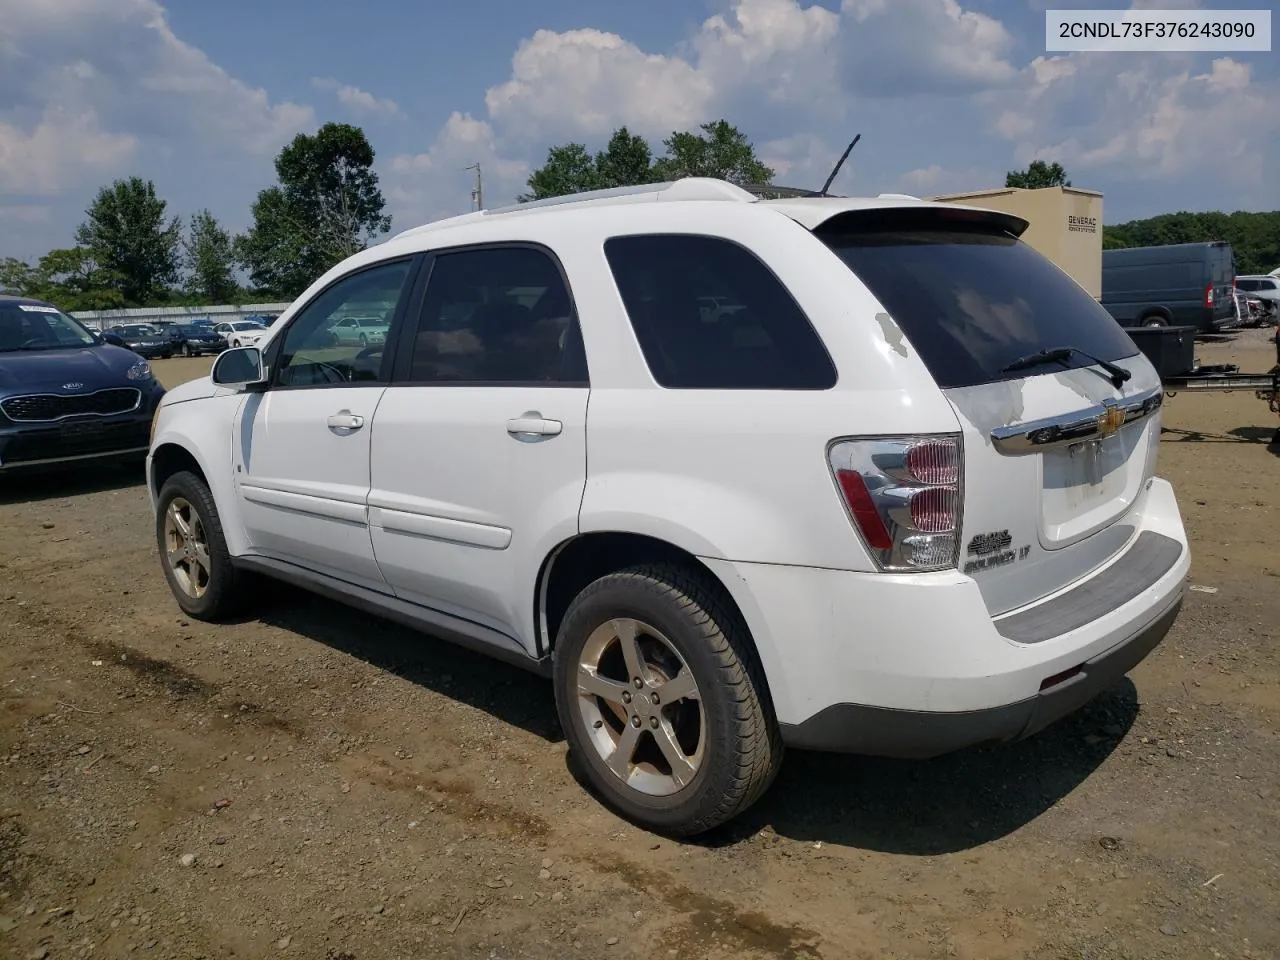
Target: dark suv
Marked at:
67, 394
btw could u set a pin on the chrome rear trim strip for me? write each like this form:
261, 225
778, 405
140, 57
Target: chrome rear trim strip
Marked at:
1092, 423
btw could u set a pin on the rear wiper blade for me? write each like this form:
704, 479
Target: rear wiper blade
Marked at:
1062, 354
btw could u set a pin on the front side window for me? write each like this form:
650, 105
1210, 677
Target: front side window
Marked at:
498, 315
709, 315
27, 326
314, 352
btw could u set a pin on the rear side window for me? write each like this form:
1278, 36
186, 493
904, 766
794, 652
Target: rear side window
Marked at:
972, 298
708, 315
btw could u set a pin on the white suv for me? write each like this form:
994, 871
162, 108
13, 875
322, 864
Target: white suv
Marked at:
896, 497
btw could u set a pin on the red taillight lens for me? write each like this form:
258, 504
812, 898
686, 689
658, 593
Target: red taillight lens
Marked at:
1208, 295
933, 510
864, 510
903, 495
934, 462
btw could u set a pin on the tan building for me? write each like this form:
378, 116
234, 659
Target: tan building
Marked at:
1066, 225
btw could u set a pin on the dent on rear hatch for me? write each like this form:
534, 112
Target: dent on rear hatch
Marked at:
893, 334
989, 406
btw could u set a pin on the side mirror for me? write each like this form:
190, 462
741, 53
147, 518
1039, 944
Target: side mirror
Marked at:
239, 367
112, 339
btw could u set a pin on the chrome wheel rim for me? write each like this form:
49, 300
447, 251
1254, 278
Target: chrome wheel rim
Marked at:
187, 548
641, 708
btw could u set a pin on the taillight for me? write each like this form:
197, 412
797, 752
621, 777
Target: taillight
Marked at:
1208, 295
903, 495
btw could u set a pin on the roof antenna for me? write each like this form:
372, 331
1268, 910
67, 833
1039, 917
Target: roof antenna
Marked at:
840, 163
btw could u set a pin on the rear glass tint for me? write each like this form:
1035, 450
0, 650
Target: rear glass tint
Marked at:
971, 298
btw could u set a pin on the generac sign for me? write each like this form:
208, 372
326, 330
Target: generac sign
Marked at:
1082, 224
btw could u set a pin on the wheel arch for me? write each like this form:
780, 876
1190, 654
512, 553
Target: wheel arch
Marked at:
580, 560
172, 453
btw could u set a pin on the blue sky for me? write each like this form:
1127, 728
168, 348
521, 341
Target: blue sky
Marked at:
948, 94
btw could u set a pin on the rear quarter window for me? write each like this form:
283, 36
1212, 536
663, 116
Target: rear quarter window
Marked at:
972, 298
709, 315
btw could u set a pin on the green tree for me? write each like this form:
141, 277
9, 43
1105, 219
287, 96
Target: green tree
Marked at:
721, 150
326, 207
569, 169
17, 277
1039, 174
210, 260
73, 280
127, 235
1254, 237
626, 161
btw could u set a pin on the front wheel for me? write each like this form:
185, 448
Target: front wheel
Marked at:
193, 550
663, 701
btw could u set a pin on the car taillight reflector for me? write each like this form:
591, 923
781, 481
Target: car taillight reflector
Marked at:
864, 510
1208, 295
903, 495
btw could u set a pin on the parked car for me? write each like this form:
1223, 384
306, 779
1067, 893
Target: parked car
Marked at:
902, 501
194, 339
143, 339
240, 333
359, 331
266, 319
1180, 284
68, 395
1265, 289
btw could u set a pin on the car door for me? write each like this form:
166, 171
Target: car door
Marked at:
302, 445
478, 460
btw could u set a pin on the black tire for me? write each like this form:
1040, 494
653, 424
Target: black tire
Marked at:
1154, 320
227, 590
743, 747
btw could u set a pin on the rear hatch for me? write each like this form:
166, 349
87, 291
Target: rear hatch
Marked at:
1056, 452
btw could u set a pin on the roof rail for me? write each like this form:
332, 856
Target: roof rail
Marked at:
687, 188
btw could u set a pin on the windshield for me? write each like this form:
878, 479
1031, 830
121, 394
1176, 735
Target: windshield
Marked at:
247, 326
136, 330
192, 330
29, 326
973, 299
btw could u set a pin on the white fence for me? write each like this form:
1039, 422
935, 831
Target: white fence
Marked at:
100, 319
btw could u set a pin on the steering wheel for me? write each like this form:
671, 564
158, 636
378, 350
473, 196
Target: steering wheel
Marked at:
331, 374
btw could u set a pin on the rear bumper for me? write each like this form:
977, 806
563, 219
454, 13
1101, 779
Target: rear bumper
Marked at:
876, 731
915, 666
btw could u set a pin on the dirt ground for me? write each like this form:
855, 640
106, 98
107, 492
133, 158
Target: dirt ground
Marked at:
316, 784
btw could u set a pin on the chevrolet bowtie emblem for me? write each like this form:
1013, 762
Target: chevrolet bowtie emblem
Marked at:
1111, 420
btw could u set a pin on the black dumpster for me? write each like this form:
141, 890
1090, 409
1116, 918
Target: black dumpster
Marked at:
1171, 350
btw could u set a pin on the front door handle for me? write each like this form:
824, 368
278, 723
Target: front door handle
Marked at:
345, 420
532, 424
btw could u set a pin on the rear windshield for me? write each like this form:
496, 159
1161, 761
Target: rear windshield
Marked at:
971, 298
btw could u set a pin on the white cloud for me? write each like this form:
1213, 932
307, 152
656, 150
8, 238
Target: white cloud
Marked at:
1138, 118
585, 82
437, 182
359, 101
62, 147
121, 64
774, 57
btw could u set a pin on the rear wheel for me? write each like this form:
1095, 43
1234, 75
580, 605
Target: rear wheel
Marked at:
663, 701
1155, 320
193, 550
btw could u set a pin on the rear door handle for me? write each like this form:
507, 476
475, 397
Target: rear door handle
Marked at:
345, 420
531, 424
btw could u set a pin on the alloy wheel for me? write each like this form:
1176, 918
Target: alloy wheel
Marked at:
187, 548
640, 707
